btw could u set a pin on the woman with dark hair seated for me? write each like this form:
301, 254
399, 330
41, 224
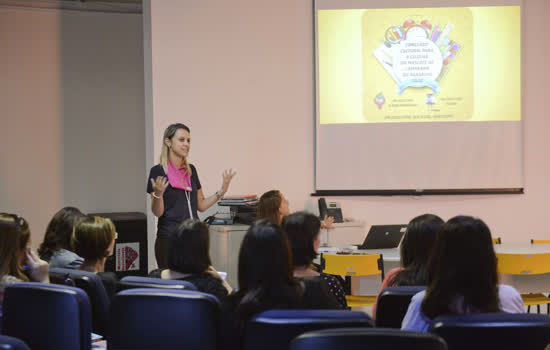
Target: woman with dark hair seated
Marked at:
462, 277
15, 252
266, 282
189, 260
303, 230
94, 240
416, 246
56, 247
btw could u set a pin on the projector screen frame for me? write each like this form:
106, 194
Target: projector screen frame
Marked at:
419, 192
430, 192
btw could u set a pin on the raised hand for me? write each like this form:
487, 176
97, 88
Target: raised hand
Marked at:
227, 177
159, 185
329, 220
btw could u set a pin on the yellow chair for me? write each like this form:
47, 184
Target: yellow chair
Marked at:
354, 265
526, 264
497, 240
540, 241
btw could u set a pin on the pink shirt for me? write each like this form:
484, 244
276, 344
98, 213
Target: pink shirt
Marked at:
385, 284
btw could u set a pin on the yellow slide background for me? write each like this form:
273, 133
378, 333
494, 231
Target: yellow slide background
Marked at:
483, 82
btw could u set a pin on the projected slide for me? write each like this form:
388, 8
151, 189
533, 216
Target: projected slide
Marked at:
419, 65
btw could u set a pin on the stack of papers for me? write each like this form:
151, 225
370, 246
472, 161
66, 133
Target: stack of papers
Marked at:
244, 200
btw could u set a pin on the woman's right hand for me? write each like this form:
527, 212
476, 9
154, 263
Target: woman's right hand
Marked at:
212, 272
159, 185
38, 268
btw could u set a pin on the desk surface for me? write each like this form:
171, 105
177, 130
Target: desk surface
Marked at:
393, 254
522, 248
523, 283
240, 227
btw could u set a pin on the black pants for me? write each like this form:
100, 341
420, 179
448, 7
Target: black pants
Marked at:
162, 249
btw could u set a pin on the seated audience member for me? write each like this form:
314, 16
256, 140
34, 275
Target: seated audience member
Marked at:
15, 254
274, 206
303, 230
462, 277
189, 260
94, 240
266, 282
56, 247
416, 247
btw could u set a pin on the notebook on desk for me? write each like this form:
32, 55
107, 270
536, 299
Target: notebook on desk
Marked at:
383, 236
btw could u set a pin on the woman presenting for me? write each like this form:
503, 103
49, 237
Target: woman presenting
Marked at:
175, 188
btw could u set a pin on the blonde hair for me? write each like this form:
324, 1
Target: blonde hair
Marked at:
168, 134
14, 236
92, 236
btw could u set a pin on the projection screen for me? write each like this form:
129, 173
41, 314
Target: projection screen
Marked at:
418, 97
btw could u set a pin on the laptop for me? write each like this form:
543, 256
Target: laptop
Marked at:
384, 236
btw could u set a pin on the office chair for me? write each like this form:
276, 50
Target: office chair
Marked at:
526, 264
130, 282
275, 329
493, 331
145, 318
393, 303
362, 339
540, 241
47, 316
93, 286
10, 343
354, 265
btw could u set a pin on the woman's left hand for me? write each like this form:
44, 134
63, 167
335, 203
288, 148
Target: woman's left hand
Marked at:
227, 177
329, 220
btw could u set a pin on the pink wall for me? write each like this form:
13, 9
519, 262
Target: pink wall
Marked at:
71, 112
240, 74
31, 175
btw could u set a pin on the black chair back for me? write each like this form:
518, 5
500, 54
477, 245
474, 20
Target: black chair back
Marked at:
393, 303
10, 343
47, 316
275, 329
165, 319
130, 282
494, 331
93, 286
362, 339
